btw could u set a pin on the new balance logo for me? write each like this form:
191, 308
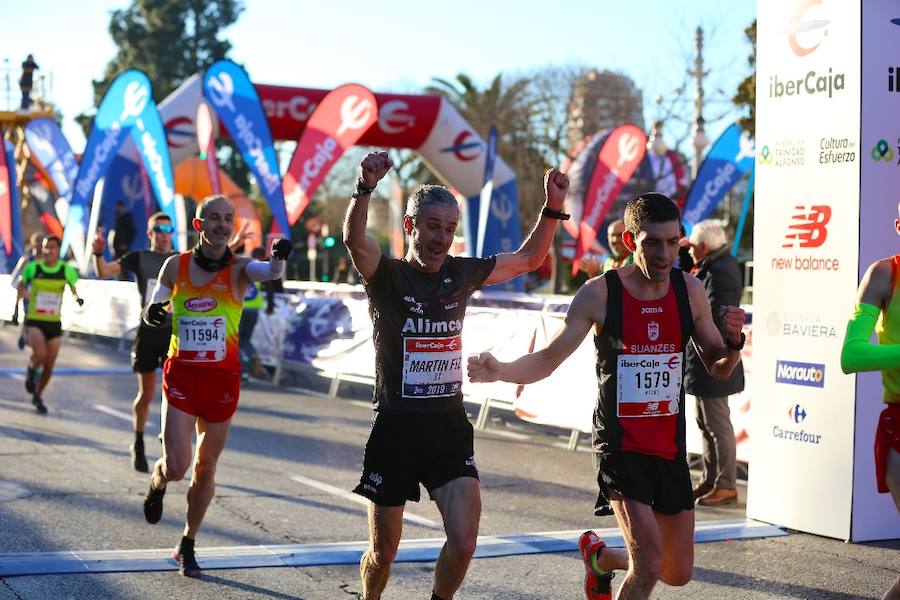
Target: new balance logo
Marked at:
808, 228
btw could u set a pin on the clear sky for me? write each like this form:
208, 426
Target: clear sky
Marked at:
399, 45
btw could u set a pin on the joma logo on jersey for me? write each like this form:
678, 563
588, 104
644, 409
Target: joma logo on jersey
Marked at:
808, 228
651, 310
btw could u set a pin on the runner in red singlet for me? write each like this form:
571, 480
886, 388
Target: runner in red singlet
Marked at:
643, 315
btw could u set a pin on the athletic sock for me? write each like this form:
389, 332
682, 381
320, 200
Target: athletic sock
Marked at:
594, 566
186, 544
435, 596
138, 439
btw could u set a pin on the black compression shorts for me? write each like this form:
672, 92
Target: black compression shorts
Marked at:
405, 449
665, 485
50, 329
151, 344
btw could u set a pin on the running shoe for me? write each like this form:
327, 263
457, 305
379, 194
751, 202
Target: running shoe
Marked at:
153, 504
596, 586
138, 459
30, 376
39, 405
187, 561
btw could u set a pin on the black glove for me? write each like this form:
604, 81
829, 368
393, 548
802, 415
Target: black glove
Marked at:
155, 314
80, 301
282, 249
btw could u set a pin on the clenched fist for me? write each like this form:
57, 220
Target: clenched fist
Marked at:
483, 368
733, 321
373, 167
556, 185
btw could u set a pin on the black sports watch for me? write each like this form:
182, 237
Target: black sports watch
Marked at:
737, 347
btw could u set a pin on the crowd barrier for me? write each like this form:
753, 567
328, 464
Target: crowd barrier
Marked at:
326, 328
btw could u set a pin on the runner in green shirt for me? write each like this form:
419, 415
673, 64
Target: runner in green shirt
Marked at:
43, 283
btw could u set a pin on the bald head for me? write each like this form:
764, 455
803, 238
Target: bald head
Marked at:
220, 203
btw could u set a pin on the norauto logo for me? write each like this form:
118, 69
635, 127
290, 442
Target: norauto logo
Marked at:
800, 373
804, 35
808, 228
201, 304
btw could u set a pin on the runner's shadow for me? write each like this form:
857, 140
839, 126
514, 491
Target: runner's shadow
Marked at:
779, 588
246, 587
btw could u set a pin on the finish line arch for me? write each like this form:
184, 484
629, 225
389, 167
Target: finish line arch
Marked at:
427, 124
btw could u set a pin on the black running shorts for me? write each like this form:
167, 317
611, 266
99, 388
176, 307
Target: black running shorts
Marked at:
405, 449
50, 329
151, 344
665, 485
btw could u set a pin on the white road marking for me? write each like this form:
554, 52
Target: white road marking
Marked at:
508, 434
407, 516
120, 414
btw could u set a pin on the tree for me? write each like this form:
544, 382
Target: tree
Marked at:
745, 97
170, 40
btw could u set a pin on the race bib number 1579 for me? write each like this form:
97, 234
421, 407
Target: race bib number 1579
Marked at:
649, 385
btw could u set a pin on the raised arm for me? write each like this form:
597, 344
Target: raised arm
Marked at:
589, 302
364, 250
718, 358
534, 249
265, 270
104, 269
858, 352
154, 314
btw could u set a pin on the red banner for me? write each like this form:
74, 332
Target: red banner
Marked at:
404, 120
619, 156
5, 199
206, 142
341, 118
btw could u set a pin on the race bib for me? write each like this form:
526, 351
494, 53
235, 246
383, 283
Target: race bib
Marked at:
201, 339
648, 385
47, 303
432, 367
148, 293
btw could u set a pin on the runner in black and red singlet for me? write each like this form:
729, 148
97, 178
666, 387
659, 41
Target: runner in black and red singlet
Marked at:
643, 316
421, 433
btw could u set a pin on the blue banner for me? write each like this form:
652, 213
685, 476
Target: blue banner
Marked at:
729, 158
503, 233
229, 91
51, 148
127, 108
487, 189
15, 210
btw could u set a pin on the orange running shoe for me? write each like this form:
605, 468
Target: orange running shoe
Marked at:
596, 586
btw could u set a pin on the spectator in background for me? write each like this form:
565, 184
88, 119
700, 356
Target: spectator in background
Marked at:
343, 272
123, 232
26, 81
619, 254
721, 276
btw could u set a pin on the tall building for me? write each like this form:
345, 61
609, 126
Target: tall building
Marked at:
601, 100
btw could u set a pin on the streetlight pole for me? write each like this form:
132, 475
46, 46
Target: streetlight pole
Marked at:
700, 140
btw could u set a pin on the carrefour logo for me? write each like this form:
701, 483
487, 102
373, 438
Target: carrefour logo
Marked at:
799, 373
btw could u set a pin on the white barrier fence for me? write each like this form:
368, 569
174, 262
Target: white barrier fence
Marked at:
326, 328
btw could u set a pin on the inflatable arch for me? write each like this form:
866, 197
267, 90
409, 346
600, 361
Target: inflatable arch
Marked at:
428, 124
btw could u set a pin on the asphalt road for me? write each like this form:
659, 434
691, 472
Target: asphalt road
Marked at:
66, 485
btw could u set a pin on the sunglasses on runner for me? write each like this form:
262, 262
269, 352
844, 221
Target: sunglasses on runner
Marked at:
164, 228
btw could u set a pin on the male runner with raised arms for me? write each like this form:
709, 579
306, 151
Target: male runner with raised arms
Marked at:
150, 343
643, 315
878, 309
43, 283
420, 432
201, 376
